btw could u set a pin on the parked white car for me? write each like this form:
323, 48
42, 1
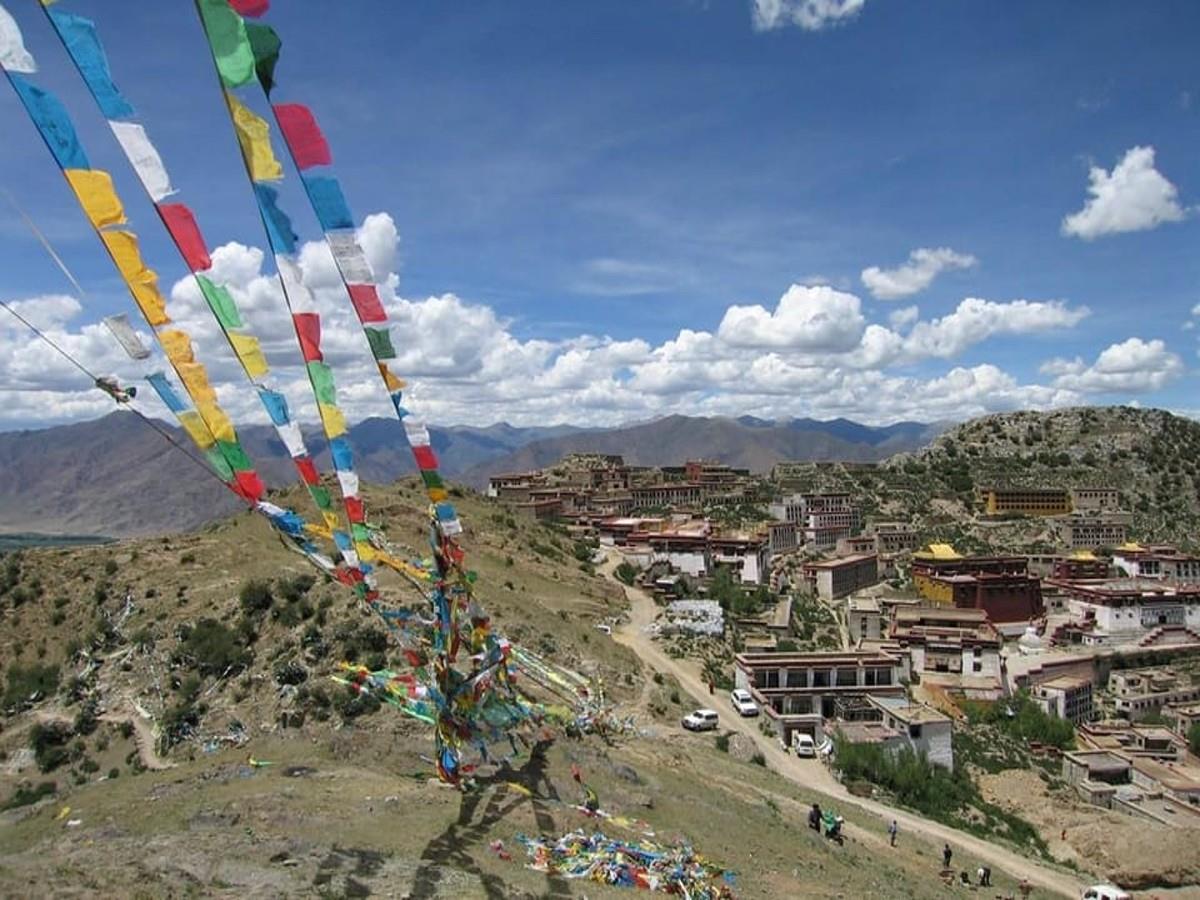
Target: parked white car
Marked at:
701, 720
804, 745
1106, 892
743, 702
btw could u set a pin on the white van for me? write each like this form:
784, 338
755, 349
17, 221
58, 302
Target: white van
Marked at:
1106, 892
803, 744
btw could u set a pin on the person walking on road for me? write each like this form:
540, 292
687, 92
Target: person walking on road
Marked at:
893, 829
947, 855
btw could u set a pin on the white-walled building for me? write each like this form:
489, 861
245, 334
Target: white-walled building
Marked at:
922, 728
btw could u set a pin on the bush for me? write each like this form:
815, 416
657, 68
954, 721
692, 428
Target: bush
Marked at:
723, 742
292, 590
214, 648
25, 681
352, 704
255, 597
48, 740
627, 573
1193, 738
25, 794
86, 721
1025, 720
114, 772
759, 760
110, 567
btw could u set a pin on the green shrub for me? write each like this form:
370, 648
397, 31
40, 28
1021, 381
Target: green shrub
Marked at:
48, 740
25, 681
25, 794
759, 760
627, 573
723, 742
213, 648
255, 597
110, 567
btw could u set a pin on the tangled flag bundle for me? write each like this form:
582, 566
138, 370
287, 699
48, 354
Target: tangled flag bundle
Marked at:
671, 869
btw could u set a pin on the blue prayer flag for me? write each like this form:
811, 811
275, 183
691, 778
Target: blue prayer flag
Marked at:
276, 405
328, 202
279, 226
53, 122
166, 393
79, 34
343, 456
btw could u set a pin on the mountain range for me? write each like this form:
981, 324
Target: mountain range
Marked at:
116, 476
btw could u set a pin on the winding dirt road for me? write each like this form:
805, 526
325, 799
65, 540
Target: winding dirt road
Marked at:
813, 775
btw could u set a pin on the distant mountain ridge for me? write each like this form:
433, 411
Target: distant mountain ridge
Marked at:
115, 476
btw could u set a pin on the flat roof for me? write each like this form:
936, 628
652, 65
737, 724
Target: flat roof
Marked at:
866, 732
841, 561
920, 613
863, 604
1174, 777
909, 713
1065, 682
817, 658
1099, 760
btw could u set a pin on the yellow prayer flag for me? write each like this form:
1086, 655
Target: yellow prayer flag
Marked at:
254, 135
332, 522
177, 346
393, 383
318, 531
142, 282
437, 495
196, 429
195, 378
333, 419
366, 553
247, 348
216, 420
94, 190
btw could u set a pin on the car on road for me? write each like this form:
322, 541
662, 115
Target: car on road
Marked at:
743, 702
1106, 892
804, 745
701, 720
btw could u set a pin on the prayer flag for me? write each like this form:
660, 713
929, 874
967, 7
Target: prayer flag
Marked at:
236, 455
322, 383
348, 255
381, 343
13, 55
279, 227
249, 485
220, 466
196, 429
166, 392
276, 406
266, 45
349, 483
328, 202
220, 301
393, 383
216, 420
126, 336
144, 159
308, 471
186, 234
354, 505
308, 329
254, 136
177, 346
79, 34
230, 45
343, 456
249, 351
426, 460
303, 135
53, 122
292, 439
94, 190
366, 303
251, 8
333, 419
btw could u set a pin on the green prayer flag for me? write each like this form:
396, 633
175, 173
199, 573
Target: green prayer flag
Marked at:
235, 456
231, 49
381, 343
322, 383
220, 466
266, 44
221, 303
432, 479
320, 497
359, 532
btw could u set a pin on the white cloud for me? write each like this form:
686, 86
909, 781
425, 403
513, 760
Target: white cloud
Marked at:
901, 318
1134, 366
608, 277
811, 15
813, 319
976, 320
1133, 197
924, 265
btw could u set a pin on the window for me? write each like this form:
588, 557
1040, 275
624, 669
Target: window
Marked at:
847, 677
820, 678
914, 732
797, 678
977, 666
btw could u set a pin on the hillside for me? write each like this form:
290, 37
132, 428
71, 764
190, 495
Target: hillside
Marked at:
115, 476
344, 804
750, 443
1152, 456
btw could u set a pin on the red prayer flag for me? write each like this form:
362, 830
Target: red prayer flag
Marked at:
354, 510
251, 8
366, 303
249, 485
308, 327
308, 471
186, 233
303, 135
426, 461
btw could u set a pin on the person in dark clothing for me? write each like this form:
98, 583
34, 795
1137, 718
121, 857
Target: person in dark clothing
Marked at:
947, 855
814, 817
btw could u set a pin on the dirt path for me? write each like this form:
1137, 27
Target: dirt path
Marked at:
143, 735
812, 774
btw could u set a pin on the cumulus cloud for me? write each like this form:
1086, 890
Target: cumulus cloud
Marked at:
813, 319
924, 265
813, 353
811, 15
1132, 366
1135, 196
976, 320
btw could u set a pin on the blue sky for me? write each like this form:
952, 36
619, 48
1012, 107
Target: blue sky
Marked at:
591, 200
